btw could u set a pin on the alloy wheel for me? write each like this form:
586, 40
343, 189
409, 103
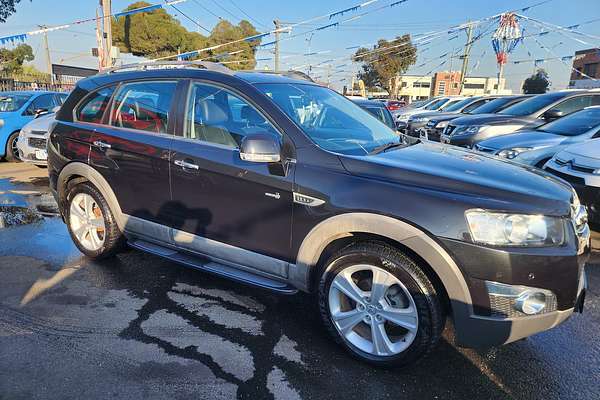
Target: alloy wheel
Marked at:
372, 310
87, 222
14, 148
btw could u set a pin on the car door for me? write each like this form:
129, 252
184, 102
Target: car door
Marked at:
130, 148
224, 207
42, 102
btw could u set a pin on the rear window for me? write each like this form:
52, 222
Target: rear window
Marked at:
93, 108
13, 102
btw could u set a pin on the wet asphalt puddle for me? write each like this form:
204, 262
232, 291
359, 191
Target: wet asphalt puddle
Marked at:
137, 326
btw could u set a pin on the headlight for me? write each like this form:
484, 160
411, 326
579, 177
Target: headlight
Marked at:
441, 124
596, 171
500, 229
512, 153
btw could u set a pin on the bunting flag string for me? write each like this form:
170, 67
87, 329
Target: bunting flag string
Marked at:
12, 39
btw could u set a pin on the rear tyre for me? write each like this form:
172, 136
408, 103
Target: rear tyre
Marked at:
12, 151
91, 224
379, 305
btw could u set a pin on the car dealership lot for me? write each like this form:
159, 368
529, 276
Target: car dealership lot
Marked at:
139, 326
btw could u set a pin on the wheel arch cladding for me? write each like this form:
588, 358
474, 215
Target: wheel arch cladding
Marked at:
77, 170
417, 241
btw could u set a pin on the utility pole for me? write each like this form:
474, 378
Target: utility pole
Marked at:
277, 26
47, 50
107, 31
465, 57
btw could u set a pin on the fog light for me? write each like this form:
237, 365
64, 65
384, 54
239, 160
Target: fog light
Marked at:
531, 303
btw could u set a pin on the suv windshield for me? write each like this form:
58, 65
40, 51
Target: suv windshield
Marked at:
532, 105
458, 106
493, 106
436, 104
574, 124
333, 122
12, 102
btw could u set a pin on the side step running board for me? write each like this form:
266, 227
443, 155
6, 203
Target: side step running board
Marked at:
207, 265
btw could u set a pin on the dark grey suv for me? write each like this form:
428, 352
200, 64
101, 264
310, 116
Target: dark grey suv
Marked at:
287, 185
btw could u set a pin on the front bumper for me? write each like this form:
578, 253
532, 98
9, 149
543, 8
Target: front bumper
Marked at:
32, 154
558, 270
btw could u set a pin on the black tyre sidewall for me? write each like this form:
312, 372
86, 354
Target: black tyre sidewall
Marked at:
10, 156
113, 238
428, 305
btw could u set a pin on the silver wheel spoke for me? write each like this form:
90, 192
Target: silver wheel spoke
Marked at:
97, 222
401, 317
94, 238
382, 345
381, 282
80, 232
84, 222
347, 320
346, 285
78, 212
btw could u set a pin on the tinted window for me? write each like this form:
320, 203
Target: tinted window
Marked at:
330, 120
383, 115
93, 108
436, 104
44, 101
574, 124
532, 104
494, 105
12, 102
218, 116
458, 105
143, 106
573, 104
448, 104
61, 98
475, 105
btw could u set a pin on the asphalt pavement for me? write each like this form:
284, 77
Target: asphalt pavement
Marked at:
138, 326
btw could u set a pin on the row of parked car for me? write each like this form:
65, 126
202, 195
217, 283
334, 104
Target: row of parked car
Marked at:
557, 131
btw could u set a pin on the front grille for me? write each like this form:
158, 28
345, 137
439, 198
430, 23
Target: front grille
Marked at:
581, 168
38, 133
504, 306
449, 129
38, 143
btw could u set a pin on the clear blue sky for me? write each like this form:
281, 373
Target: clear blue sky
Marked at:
415, 16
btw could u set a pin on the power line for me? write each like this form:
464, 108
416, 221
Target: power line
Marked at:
247, 15
189, 18
207, 9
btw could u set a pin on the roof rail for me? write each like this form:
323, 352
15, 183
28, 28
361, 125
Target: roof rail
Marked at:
153, 65
289, 74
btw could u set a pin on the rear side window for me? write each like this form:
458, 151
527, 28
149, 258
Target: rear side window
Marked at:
143, 106
574, 104
93, 108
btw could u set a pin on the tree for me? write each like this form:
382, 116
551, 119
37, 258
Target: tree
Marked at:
537, 83
11, 61
7, 8
153, 34
156, 34
382, 64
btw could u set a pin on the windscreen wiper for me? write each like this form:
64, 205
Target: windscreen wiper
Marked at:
388, 146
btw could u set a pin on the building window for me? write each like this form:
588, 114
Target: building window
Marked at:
591, 69
442, 87
404, 84
474, 86
421, 84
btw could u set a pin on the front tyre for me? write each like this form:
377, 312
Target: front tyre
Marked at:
91, 223
379, 304
12, 150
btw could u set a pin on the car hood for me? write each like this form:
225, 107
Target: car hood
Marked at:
445, 116
485, 180
493, 119
523, 139
586, 153
435, 114
41, 123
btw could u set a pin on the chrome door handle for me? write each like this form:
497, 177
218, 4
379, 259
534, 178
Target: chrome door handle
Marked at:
185, 164
102, 145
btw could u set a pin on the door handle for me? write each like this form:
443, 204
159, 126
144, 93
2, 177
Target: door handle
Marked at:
101, 144
185, 164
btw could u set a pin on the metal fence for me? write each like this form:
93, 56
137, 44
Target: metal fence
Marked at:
62, 83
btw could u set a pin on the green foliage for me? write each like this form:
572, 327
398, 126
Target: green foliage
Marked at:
7, 8
157, 34
382, 64
537, 83
11, 61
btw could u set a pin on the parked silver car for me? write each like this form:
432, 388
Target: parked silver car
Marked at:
580, 166
32, 140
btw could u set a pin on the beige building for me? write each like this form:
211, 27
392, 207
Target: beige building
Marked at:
414, 87
480, 85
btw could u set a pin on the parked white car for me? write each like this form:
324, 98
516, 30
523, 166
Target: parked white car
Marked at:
580, 166
32, 140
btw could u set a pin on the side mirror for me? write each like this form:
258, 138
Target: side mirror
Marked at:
260, 148
553, 114
40, 111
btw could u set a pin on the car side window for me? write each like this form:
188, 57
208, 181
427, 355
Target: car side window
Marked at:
44, 101
474, 105
596, 100
574, 104
218, 116
93, 108
143, 106
60, 98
